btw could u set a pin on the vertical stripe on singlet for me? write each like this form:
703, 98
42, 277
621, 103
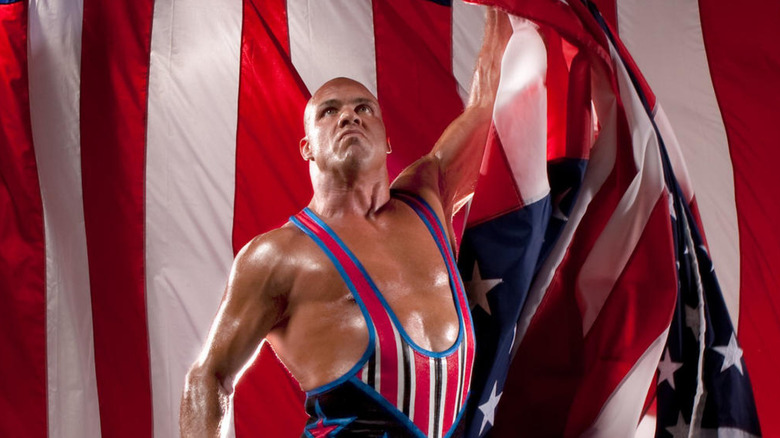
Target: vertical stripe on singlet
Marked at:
412, 381
432, 398
399, 352
440, 378
451, 388
406, 351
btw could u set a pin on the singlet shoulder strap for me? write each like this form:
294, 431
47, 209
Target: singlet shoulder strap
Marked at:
381, 328
432, 222
332, 246
435, 227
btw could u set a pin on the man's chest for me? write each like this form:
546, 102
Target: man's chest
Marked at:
404, 267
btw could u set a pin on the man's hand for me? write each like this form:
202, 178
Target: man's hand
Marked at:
484, 84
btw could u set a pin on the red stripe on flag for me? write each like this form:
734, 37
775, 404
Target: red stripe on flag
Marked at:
271, 181
579, 120
557, 82
415, 84
271, 185
22, 259
114, 80
638, 310
608, 9
744, 64
268, 400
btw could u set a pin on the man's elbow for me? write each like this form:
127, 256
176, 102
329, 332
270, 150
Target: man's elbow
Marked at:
204, 403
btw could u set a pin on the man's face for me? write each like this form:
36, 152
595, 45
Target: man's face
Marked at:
344, 127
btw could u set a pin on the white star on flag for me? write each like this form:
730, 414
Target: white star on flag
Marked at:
489, 408
680, 429
478, 289
732, 354
692, 319
666, 369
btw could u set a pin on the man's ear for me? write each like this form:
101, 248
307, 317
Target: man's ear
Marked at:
305, 148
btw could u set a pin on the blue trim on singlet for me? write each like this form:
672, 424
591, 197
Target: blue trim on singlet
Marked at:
448, 249
369, 323
389, 408
396, 322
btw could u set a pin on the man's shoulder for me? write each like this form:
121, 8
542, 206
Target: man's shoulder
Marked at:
276, 243
270, 261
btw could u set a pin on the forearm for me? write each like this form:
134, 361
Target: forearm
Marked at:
459, 150
204, 405
459, 154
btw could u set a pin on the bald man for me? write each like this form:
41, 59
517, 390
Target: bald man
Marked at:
358, 294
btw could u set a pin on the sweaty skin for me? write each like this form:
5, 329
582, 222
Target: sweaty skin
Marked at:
282, 286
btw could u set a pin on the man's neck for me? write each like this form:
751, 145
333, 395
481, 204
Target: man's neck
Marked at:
362, 196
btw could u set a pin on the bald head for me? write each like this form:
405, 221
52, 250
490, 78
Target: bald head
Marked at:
330, 90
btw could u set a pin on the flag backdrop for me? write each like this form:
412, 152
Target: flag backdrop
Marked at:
143, 143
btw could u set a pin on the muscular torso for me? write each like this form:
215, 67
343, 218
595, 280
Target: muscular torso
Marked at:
322, 333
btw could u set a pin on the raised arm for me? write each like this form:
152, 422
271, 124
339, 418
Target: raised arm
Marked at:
254, 301
449, 172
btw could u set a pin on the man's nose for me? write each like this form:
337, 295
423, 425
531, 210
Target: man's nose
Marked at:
347, 116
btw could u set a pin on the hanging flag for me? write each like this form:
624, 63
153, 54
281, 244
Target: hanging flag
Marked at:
703, 384
589, 336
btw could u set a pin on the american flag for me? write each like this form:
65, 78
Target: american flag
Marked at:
142, 143
590, 329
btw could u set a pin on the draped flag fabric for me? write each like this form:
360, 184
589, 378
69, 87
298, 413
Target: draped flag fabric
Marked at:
143, 143
588, 331
610, 248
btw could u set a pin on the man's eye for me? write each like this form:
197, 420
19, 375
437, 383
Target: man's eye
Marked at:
363, 109
328, 111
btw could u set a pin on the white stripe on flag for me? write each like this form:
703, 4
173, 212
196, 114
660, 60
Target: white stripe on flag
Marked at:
468, 24
190, 175
54, 66
675, 64
522, 96
332, 38
620, 414
617, 242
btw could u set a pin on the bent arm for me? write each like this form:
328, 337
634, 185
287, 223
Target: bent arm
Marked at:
253, 303
449, 172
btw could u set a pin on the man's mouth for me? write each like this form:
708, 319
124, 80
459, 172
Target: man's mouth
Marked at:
350, 132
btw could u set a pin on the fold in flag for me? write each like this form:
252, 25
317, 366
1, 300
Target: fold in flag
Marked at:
571, 247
